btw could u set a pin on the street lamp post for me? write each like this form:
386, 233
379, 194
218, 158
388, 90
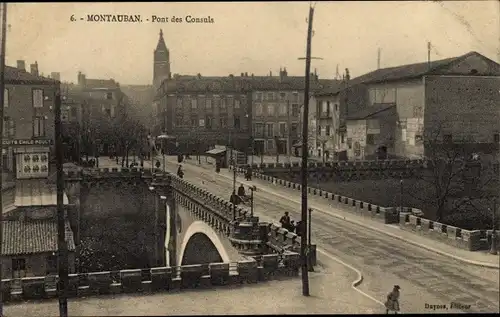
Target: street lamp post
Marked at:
252, 189
493, 249
310, 266
400, 195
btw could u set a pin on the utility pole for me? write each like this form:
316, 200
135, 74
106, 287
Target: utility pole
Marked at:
2, 91
378, 58
304, 211
429, 54
61, 219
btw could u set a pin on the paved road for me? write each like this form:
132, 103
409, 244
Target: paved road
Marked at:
330, 289
425, 277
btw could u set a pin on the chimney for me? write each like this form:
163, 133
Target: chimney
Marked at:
198, 76
270, 74
231, 76
81, 79
34, 69
246, 74
21, 65
252, 75
242, 74
347, 76
56, 76
282, 74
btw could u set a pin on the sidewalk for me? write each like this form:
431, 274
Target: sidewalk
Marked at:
330, 289
481, 258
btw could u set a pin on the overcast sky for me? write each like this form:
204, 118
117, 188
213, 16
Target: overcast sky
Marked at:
247, 37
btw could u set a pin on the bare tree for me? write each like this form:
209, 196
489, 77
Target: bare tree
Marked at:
454, 177
128, 134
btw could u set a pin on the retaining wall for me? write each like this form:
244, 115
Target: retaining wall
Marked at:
159, 279
471, 240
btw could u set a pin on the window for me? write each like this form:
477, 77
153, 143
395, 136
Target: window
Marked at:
295, 97
270, 109
237, 124
223, 104
259, 130
282, 129
201, 123
349, 143
109, 95
51, 264
319, 130
295, 110
496, 138
270, 144
282, 95
208, 104
9, 130
39, 126
18, 265
258, 96
194, 122
37, 98
270, 130
194, 104
325, 105
419, 139
236, 104
108, 112
223, 122
74, 113
208, 122
342, 138
336, 107
283, 110
179, 102
258, 109
270, 96
6, 98
230, 102
294, 129
327, 130
370, 139
447, 138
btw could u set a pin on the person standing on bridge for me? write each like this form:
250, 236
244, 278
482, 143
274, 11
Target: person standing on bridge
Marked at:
392, 302
180, 172
285, 221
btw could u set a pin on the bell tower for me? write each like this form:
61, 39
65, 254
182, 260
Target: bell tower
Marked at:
161, 66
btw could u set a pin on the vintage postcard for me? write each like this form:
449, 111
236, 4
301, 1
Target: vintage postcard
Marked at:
210, 158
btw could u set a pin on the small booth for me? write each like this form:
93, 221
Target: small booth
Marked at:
218, 154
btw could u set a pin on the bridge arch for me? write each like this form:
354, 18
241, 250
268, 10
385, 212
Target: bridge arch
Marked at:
201, 235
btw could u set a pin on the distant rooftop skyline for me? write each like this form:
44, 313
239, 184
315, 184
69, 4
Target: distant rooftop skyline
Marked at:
347, 34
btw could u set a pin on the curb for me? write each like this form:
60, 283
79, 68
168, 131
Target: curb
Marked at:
423, 246
354, 285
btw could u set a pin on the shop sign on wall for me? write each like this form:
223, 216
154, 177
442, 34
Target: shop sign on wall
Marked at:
28, 142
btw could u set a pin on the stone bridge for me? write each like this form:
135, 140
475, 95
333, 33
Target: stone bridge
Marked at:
346, 170
200, 239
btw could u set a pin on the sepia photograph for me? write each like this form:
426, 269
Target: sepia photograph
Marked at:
249, 158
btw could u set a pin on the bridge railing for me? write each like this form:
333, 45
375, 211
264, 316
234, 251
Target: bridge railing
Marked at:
158, 279
347, 165
407, 218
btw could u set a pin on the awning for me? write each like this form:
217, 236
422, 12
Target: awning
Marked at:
215, 151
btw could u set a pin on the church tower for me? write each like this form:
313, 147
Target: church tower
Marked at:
161, 67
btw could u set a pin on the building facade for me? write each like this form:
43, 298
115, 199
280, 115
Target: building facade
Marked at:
201, 112
28, 122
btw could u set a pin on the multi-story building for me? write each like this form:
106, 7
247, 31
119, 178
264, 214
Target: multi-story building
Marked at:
450, 100
89, 111
204, 111
28, 121
276, 111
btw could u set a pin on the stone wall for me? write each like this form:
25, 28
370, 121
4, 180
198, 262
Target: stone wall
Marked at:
346, 170
158, 279
471, 240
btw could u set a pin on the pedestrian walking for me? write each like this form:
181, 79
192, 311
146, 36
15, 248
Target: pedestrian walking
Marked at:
180, 172
392, 302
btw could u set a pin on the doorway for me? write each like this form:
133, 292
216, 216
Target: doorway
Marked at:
18, 268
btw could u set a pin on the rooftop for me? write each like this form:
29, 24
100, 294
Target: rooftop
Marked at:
34, 236
403, 72
372, 110
15, 75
